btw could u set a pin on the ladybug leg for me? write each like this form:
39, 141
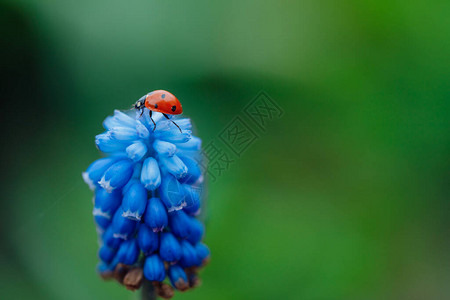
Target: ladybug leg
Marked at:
142, 112
167, 117
154, 124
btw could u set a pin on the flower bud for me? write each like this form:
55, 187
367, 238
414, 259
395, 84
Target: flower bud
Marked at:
119, 119
194, 209
179, 223
188, 255
106, 203
122, 226
124, 119
184, 124
193, 144
154, 268
117, 175
178, 278
203, 254
164, 290
128, 252
150, 174
109, 239
193, 172
166, 125
136, 151
164, 148
134, 202
174, 165
194, 279
104, 269
109, 122
96, 170
174, 136
147, 239
102, 223
191, 195
155, 215
107, 144
106, 254
196, 231
169, 248
122, 133
172, 193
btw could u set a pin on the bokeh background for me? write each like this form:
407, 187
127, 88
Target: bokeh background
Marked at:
344, 197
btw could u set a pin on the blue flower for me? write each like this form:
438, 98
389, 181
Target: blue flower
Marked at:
156, 215
188, 255
154, 269
178, 278
169, 249
150, 174
134, 202
148, 239
106, 204
128, 252
148, 192
180, 224
117, 175
203, 254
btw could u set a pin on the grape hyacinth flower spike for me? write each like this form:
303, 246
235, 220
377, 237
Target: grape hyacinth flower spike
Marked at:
147, 197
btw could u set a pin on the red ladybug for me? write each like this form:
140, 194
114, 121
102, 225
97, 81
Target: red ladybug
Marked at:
160, 101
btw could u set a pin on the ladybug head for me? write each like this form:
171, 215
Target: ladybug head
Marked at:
140, 104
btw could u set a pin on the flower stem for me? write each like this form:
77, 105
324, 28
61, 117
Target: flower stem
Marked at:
148, 291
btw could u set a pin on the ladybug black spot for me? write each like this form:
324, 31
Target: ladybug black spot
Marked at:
174, 108
163, 96
156, 105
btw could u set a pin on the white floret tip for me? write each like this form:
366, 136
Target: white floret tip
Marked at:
97, 212
106, 185
131, 215
88, 180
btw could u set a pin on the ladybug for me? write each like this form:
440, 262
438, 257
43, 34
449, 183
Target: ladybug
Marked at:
160, 101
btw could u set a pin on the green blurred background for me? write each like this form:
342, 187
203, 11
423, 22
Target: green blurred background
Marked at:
344, 197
